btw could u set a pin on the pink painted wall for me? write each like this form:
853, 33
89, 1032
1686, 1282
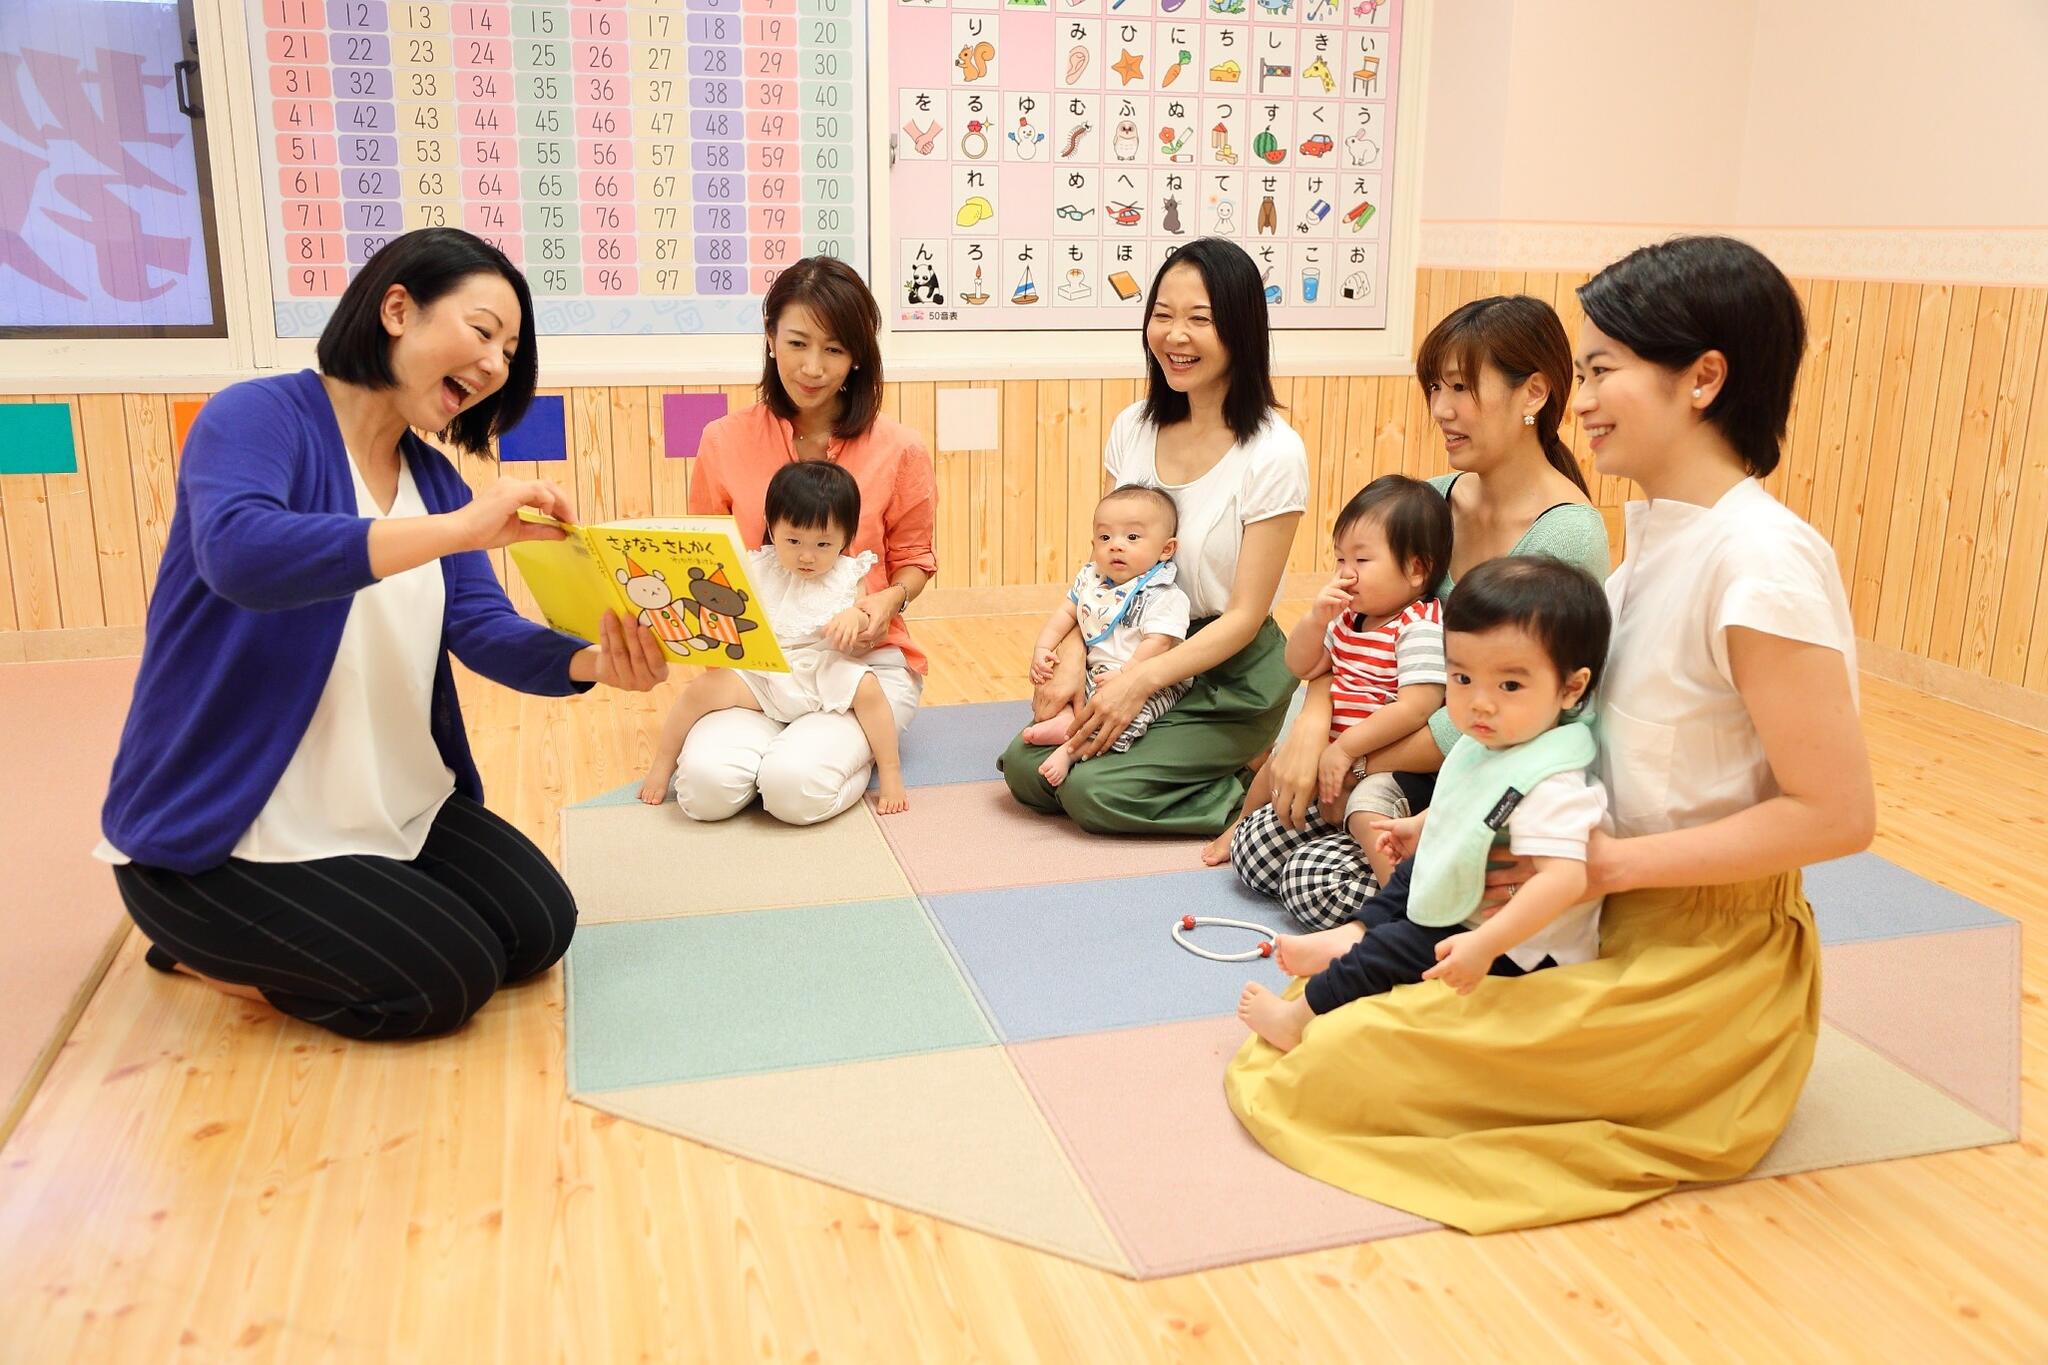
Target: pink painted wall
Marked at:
1782, 113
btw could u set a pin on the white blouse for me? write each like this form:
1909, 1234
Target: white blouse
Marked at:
367, 777
1677, 747
1264, 477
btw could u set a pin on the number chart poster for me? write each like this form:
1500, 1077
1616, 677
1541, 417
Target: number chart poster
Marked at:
1051, 154
650, 165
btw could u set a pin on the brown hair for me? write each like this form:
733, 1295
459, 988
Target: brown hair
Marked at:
839, 299
1519, 336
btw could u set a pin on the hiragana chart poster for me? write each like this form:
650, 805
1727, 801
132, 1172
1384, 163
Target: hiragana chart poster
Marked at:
650, 164
1050, 154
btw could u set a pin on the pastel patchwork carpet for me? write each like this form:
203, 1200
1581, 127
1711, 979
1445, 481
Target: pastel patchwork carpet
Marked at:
979, 1013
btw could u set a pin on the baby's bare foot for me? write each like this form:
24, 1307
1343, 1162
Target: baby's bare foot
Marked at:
1054, 769
1216, 852
654, 790
1278, 1020
891, 798
1307, 954
1054, 731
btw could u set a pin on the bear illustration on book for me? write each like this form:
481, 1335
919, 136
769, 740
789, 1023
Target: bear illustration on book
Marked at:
713, 614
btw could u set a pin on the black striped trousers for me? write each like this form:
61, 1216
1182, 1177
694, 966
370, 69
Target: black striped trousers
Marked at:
369, 947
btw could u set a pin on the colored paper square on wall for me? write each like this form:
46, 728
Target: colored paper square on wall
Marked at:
184, 412
683, 419
540, 435
35, 438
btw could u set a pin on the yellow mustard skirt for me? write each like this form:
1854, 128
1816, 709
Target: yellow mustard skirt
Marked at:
1570, 1092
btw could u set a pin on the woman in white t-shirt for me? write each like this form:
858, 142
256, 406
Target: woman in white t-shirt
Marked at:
1209, 433
1732, 755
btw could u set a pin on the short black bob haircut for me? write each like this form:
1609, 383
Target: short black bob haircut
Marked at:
1558, 603
1673, 302
812, 495
1237, 307
1158, 497
355, 348
1415, 518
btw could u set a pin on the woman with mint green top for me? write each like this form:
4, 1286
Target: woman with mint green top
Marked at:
1498, 374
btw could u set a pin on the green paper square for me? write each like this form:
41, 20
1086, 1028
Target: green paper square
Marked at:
35, 438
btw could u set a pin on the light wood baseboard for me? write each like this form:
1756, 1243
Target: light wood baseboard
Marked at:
83, 642
2007, 701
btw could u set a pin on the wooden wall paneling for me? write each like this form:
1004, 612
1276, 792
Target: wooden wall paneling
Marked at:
1803, 447
8, 619
1325, 461
633, 453
153, 476
1863, 560
1381, 404
1779, 480
2020, 637
1957, 550
1088, 415
1017, 507
104, 458
1909, 488
1344, 442
2012, 410
985, 529
590, 453
25, 507
1417, 421
1844, 336
1840, 494
1958, 363
1049, 474
917, 407
892, 401
69, 498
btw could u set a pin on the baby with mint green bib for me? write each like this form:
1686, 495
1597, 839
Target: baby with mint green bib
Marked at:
1525, 638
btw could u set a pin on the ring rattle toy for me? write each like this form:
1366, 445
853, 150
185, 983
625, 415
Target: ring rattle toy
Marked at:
1187, 922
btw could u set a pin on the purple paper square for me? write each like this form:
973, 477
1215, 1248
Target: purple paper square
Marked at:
541, 433
683, 419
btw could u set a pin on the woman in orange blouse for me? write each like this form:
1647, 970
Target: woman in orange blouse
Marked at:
821, 394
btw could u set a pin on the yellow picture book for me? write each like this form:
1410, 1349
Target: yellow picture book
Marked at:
685, 578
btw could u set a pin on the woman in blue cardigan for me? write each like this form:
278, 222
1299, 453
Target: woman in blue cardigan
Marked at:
294, 813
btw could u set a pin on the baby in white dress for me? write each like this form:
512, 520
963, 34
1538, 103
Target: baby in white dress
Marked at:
807, 587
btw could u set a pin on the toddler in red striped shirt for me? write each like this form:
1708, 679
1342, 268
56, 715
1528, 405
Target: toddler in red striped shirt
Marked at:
1379, 635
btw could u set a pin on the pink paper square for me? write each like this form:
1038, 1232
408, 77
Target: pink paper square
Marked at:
683, 419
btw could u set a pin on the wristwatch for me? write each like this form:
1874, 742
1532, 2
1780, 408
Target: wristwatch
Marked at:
1358, 770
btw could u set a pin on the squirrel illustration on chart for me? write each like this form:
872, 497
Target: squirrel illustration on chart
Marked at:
974, 60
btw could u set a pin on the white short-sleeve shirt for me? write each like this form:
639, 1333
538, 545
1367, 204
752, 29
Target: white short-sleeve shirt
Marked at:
1554, 821
1677, 747
1264, 477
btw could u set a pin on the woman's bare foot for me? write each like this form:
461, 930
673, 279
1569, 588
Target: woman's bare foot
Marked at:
1308, 954
1057, 763
1216, 852
892, 797
1054, 731
1275, 1018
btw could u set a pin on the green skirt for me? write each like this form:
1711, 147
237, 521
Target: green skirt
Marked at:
1187, 775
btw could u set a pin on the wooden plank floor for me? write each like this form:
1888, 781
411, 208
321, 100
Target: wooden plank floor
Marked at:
198, 1182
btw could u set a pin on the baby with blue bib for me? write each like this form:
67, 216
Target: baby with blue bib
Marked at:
1525, 638
1127, 609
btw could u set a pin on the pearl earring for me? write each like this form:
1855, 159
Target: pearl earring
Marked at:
1698, 393
1528, 419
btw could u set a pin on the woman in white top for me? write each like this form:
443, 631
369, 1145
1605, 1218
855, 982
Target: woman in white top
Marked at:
1733, 757
1209, 433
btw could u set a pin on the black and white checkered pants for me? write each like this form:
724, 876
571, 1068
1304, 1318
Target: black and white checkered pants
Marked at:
1319, 873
